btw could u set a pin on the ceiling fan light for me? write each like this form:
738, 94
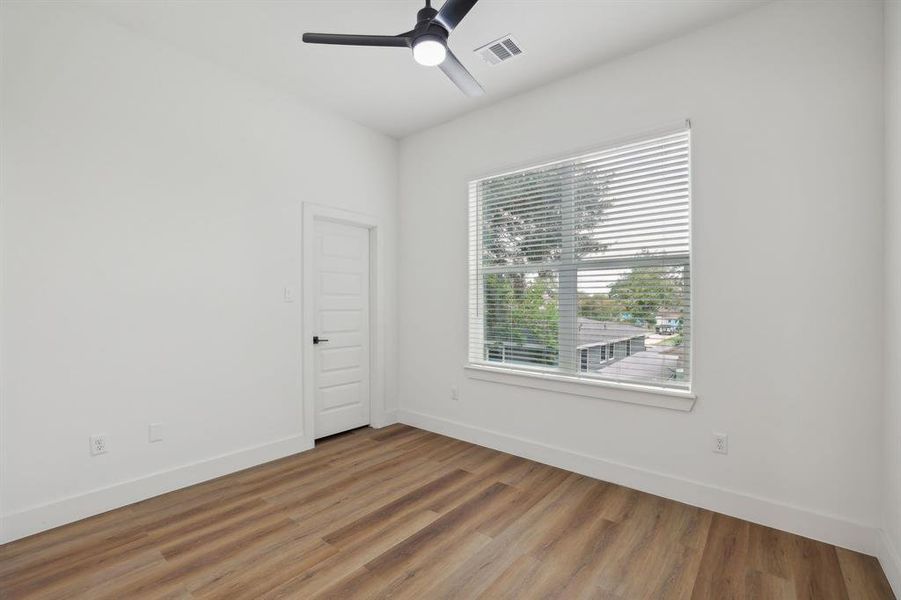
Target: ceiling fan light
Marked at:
429, 51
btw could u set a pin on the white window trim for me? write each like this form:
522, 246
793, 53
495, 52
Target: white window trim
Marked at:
645, 395
679, 399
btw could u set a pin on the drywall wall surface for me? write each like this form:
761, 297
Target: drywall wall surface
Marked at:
151, 213
786, 109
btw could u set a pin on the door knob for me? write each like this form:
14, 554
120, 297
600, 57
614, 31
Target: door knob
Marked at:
317, 339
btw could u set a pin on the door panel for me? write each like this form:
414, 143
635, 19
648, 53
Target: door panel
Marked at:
343, 321
341, 297
339, 396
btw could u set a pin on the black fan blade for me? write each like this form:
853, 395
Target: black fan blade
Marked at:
457, 73
357, 40
453, 12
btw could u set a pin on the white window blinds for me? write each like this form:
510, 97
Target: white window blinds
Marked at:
581, 266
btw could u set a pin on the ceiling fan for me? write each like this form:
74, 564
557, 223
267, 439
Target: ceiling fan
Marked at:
428, 40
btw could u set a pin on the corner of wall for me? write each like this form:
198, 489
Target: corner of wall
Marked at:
890, 560
889, 552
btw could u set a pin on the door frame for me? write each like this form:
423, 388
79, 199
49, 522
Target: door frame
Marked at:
311, 213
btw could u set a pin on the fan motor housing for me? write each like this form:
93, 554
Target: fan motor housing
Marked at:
433, 31
428, 27
426, 13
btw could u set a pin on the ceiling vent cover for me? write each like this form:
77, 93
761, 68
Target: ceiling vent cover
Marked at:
499, 50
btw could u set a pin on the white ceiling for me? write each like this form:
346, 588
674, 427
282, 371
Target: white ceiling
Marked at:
382, 87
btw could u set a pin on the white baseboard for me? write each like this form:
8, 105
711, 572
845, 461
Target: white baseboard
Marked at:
823, 527
384, 418
890, 558
47, 516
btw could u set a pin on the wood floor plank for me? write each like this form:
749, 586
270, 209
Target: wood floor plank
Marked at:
760, 585
395, 509
67, 538
205, 563
461, 518
864, 578
82, 581
416, 576
491, 471
532, 530
647, 556
26, 581
403, 513
361, 584
515, 581
416, 580
724, 567
348, 560
599, 550
816, 571
341, 509
524, 501
265, 572
305, 500
770, 551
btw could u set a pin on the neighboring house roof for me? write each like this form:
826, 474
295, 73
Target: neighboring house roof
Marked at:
592, 333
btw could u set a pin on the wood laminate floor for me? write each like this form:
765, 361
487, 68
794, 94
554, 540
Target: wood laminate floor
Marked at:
403, 513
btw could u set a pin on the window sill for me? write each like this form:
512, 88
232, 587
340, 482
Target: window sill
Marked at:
679, 400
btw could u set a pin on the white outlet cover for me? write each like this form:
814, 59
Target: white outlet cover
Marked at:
721, 443
155, 432
99, 444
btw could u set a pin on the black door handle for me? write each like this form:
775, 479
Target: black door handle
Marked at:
317, 339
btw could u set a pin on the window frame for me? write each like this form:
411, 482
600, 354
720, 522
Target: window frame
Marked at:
559, 378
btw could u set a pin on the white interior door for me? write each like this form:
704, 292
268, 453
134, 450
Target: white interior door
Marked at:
341, 309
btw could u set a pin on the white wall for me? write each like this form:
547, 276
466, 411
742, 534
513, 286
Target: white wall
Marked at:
150, 207
151, 214
891, 552
786, 106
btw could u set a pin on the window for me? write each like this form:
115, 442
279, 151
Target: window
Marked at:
582, 267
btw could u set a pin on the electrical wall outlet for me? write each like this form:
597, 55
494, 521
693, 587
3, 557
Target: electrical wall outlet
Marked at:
721, 443
454, 393
99, 444
155, 432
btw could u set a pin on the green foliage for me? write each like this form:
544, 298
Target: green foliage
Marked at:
522, 311
645, 290
538, 311
599, 307
675, 340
